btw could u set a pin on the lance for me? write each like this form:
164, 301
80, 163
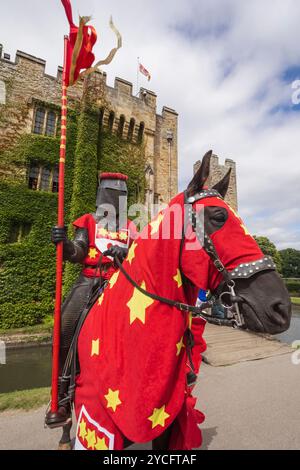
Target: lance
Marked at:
59, 246
77, 56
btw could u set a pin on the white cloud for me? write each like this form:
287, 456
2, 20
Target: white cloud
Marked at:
219, 63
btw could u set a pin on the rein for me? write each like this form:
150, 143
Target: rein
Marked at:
196, 311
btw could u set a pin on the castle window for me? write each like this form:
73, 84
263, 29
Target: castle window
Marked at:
18, 231
58, 126
111, 121
43, 178
101, 115
39, 121
121, 125
55, 180
45, 122
50, 124
141, 133
131, 129
33, 177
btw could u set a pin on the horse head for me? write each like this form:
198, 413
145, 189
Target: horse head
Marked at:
262, 296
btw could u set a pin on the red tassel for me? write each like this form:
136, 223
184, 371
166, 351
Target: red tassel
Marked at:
186, 435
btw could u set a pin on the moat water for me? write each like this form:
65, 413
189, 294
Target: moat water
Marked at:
28, 368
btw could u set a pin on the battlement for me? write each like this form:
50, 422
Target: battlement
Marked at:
37, 66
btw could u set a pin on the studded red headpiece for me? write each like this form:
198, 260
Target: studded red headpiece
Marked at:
113, 176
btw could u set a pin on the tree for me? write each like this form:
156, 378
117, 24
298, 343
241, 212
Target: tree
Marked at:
290, 262
268, 248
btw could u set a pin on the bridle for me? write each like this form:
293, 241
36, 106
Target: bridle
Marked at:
233, 316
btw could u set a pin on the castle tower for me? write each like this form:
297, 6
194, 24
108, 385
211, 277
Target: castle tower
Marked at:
217, 171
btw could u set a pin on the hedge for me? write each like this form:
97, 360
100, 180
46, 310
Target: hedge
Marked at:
293, 286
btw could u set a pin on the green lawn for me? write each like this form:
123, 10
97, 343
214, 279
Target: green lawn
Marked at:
45, 327
24, 399
295, 300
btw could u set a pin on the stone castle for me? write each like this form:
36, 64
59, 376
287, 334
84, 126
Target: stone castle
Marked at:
132, 118
108, 129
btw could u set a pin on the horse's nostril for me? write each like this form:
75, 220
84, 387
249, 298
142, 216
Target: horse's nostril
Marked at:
279, 313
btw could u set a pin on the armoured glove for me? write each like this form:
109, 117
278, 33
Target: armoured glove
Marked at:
74, 250
58, 234
116, 252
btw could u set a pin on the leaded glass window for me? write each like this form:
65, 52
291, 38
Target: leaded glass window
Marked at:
39, 121
50, 125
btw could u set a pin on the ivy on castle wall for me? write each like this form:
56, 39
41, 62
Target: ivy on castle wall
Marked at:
84, 185
118, 155
27, 269
101, 152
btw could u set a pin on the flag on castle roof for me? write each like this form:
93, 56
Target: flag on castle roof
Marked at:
144, 71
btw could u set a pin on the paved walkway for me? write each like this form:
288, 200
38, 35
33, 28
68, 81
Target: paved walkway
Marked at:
249, 405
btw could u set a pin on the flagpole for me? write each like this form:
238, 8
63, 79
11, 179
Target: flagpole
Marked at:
137, 76
59, 247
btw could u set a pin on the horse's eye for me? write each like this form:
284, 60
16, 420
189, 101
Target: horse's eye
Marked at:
220, 217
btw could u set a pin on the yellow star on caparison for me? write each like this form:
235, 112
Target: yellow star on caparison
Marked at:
95, 347
123, 236
241, 222
91, 439
113, 279
102, 231
138, 304
82, 429
177, 278
92, 253
156, 223
179, 346
113, 399
101, 444
158, 417
131, 253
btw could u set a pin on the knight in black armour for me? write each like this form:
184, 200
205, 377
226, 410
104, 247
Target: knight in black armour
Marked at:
99, 237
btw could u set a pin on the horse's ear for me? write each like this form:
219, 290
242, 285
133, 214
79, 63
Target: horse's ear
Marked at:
222, 185
200, 176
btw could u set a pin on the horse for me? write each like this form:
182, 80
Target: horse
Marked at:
140, 342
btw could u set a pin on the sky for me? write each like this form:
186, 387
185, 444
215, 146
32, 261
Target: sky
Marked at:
228, 67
